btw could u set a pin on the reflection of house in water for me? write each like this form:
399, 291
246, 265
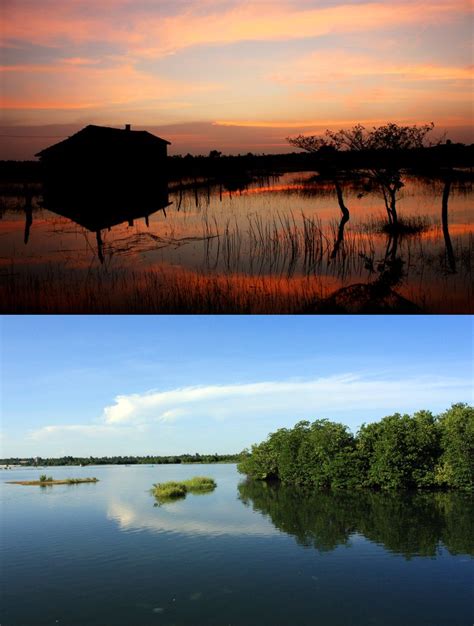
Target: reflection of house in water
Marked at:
101, 177
98, 209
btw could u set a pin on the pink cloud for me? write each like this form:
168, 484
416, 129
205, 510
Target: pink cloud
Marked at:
150, 34
78, 86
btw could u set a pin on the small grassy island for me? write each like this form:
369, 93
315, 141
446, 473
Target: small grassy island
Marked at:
172, 490
400, 452
45, 481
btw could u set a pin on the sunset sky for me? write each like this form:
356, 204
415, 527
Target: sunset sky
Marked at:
137, 385
231, 74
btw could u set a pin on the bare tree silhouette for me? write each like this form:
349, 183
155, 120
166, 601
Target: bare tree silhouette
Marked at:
386, 143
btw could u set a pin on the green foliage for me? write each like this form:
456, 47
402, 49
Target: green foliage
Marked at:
173, 490
400, 452
169, 491
199, 484
455, 468
43, 478
261, 462
326, 456
320, 455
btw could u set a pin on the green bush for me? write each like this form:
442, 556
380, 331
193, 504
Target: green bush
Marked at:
400, 452
173, 490
169, 490
199, 484
455, 468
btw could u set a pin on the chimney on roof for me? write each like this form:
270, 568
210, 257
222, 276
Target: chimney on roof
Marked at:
128, 127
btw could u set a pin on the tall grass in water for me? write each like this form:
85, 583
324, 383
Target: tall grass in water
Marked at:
286, 264
169, 491
199, 484
161, 290
407, 225
172, 490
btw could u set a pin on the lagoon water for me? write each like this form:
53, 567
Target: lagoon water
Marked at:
244, 555
272, 245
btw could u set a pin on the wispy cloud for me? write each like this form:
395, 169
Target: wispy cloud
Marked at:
321, 67
205, 415
63, 85
83, 430
297, 397
148, 31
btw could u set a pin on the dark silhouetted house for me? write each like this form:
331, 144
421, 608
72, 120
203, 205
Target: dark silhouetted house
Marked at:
96, 151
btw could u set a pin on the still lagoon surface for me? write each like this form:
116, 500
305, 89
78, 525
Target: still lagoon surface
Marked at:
273, 245
246, 554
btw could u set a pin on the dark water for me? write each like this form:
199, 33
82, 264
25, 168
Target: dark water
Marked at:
98, 554
271, 245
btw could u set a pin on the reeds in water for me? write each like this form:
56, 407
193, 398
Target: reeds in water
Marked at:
173, 490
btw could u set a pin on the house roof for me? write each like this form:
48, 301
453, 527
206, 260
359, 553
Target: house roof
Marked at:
94, 136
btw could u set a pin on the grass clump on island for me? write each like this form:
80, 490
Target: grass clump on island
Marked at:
173, 490
45, 480
198, 484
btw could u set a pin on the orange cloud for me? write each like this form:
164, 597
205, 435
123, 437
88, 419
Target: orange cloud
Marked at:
78, 86
293, 124
151, 34
248, 22
320, 68
48, 105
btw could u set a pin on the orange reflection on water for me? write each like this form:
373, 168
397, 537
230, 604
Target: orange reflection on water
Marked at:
280, 254
279, 188
460, 229
170, 289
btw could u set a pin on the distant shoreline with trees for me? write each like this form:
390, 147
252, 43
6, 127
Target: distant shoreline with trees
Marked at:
399, 452
120, 460
426, 160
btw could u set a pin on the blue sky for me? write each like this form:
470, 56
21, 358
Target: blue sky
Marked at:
165, 385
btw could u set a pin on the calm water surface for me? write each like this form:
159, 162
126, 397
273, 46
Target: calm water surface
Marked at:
246, 554
275, 237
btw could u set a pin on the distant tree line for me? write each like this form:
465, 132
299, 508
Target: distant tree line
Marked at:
219, 167
399, 452
123, 460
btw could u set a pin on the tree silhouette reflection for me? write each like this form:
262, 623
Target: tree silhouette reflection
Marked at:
409, 524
